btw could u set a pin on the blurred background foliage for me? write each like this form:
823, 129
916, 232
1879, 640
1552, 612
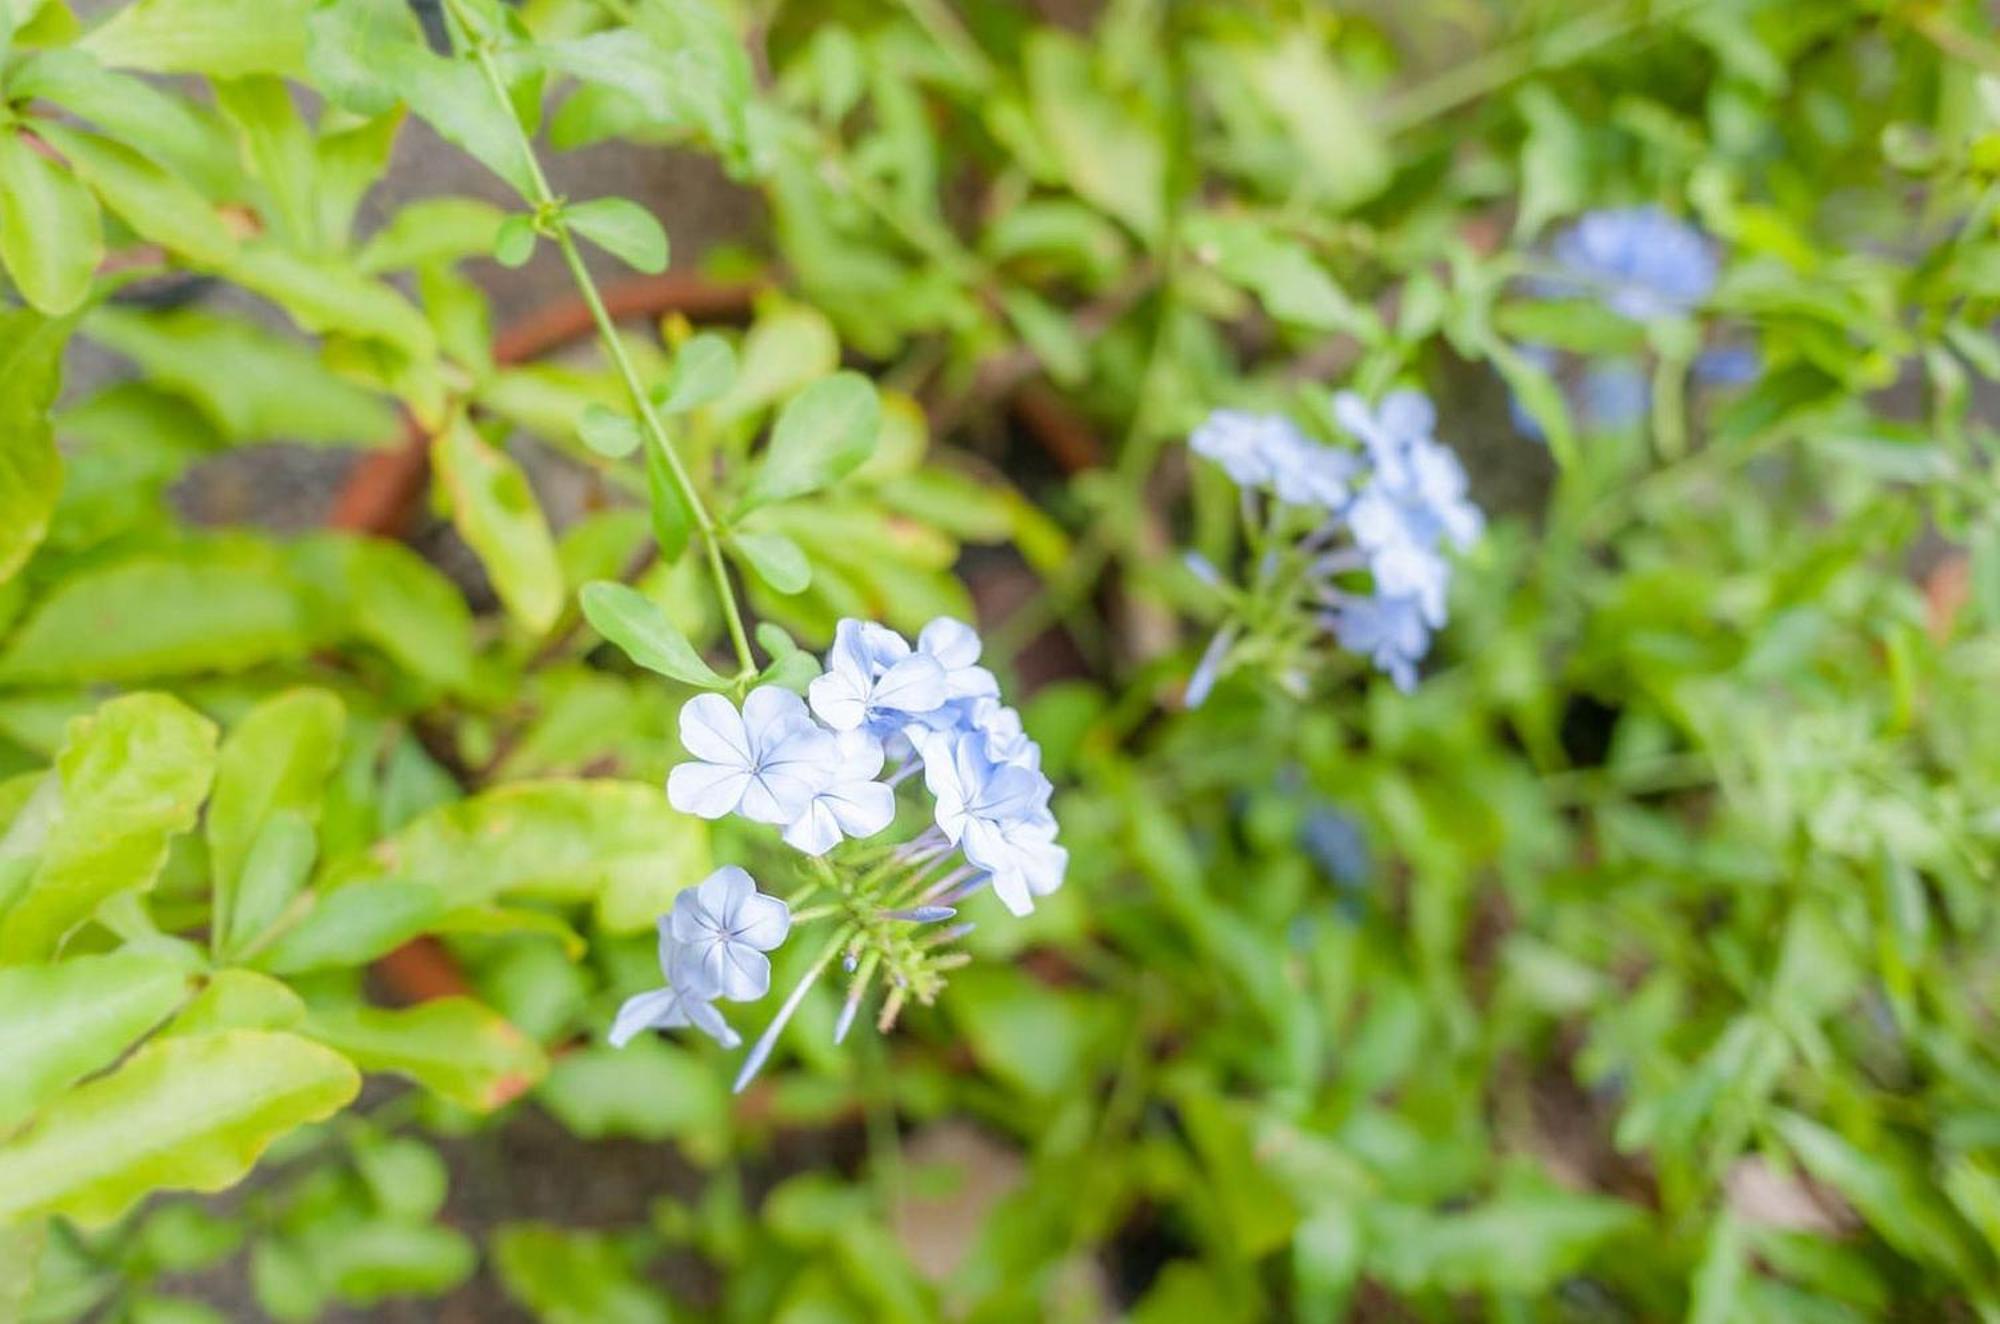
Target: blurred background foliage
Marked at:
1637, 966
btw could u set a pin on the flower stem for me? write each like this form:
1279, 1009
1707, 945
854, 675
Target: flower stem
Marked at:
548, 209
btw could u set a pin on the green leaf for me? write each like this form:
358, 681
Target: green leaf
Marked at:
130, 776
618, 843
31, 349
786, 347
391, 597
671, 520
1521, 1244
609, 433
775, 559
623, 229
351, 926
1110, 152
566, 1277
823, 434
1279, 271
453, 1047
704, 367
275, 760
356, 49
218, 606
220, 38
636, 624
325, 294
647, 1090
51, 236
432, 230
363, 1263
1300, 86
180, 134
496, 513
158, 205
240, 1000
276, 389
182, 1114
514, 242
59, 1023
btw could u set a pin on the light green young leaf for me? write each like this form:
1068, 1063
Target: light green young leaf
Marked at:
132, 776
514, 241
378, 591
567, 1277
356, 51
1111, 154
631, 620
325, 294
786, 347
220, 38
276, 759
31, 348
214, 606
351, 926
617, 843
454, 1047
276, 388
823, 434
775, 559
157, 205
275, 870
1279, 271
1301, 86
59, 1023
623, 229
703, 369
608, 432
236, 999
431, 230
181, 135
184, 1113
496, 513
51, 236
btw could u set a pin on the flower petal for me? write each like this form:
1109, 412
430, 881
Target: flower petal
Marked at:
723, 891
712, 730
761, 922
953, 643
743, 972
914, 685
706, 790
641, 1012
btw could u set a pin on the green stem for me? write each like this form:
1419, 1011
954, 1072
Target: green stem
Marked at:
548, 209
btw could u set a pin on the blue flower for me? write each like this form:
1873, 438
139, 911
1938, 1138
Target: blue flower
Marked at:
955, 647
1004, 739
670, 1008
1391, 631
1644, 263
851, 803
1268, 451
696, 941
1240, 442
997, 813
873, 679
1615, 394
1389, 431
721, 928
766, 763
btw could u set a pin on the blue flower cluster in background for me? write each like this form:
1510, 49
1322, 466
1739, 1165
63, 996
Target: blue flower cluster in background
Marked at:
1387, 514
1640, 261
814, 767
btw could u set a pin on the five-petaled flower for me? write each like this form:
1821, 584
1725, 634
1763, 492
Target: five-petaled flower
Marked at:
722, 928
765, 763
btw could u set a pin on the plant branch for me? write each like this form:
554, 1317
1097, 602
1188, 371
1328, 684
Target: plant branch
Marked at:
549, 216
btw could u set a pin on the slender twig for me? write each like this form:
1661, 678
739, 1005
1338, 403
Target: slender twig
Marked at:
549, 218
